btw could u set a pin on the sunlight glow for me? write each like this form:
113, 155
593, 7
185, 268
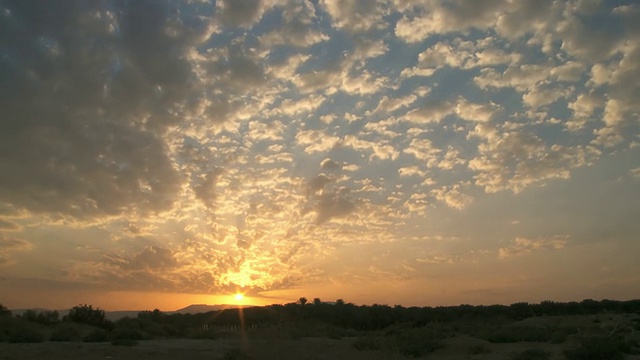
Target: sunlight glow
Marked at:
239, 297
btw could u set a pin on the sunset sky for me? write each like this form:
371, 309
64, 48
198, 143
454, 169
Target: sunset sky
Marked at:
155, 154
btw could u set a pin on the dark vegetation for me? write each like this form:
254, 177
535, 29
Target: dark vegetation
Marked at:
409, 331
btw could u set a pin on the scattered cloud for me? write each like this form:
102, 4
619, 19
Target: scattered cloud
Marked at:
199, 146
522, 246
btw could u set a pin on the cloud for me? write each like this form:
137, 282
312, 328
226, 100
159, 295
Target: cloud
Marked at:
240, 12
317, 183
84, 130
439, 18
515, 160
6, 225
151, 258
584, 107
299, 27
356, 15
452, 196
521, 245
202, 146
378, 149
584, 42
476, 112
316, 141
461, 54
423, 150
332, 205
206, 190
431, 111
411, 171
10, 245
543, 94
520, 77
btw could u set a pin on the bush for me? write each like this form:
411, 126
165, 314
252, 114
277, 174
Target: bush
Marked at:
479, 349
66, 332
124, 342
97, 335
128, 334
531, 354
86, 314
518, 334
4, 311
597, 348
25, 334
6, 323
413, 343
367, 343
335, 333
202, 334
43, 317
234, 354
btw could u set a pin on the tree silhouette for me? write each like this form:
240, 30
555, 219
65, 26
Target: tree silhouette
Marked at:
86, 314
4, 311
317, 301
302, 300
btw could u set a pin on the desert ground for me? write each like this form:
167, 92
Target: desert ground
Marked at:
456, 343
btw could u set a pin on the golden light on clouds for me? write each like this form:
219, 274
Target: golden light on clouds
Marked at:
213, 154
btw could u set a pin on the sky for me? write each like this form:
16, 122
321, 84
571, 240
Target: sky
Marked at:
158, 153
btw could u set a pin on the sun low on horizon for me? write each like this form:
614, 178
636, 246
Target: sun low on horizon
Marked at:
156, 154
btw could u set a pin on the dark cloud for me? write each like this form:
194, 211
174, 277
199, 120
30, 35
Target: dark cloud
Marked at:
333, 205
206, 191
88, 91
154, 257
150, 258
240, 12
317, 183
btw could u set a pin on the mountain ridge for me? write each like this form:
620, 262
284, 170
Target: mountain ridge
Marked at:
119, 314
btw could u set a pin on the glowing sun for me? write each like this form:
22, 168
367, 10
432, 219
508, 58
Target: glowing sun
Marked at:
239, 297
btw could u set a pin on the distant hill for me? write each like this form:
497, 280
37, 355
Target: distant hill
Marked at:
202, 308
20, 312
115, 315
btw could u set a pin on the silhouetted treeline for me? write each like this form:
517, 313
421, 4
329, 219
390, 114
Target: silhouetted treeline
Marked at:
375, 317
341, 315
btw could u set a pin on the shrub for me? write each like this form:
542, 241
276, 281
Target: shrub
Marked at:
234, 354
43, 317
6, 323
597, 348
66, 332
25, 334
97, 335
517, 334
366, 343
335, 333
413, 343
479, 349
531, 354
202, 334
4, 311
86, 314
124, 342
127, 334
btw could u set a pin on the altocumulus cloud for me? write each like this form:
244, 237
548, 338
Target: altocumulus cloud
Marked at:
197, 145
